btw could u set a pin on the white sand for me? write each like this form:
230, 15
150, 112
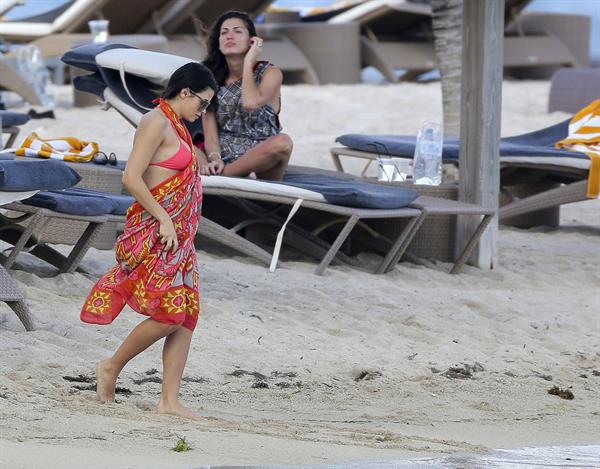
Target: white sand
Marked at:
532, 323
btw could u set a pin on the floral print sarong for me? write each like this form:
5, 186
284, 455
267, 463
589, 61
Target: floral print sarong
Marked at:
147, 277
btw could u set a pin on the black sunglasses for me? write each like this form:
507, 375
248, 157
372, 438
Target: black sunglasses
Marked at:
204, 103
101, 158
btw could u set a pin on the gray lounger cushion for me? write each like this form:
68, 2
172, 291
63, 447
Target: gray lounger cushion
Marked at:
11, 119
81, 202
352, 193
28, 175
538, 143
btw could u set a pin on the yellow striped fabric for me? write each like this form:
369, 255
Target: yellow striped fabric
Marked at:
62, 148
584, 137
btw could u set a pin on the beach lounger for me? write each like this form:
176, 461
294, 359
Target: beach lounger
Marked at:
23, 225
74, 17
534, 175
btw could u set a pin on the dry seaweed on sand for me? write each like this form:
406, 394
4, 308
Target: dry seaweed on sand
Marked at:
149, 379
562, 393
79, 379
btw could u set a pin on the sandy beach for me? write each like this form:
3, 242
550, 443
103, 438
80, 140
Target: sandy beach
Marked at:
295, 368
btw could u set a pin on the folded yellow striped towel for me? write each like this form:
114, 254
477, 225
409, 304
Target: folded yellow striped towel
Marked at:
63, 148
584, 136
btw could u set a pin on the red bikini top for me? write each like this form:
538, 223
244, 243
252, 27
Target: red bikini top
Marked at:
179, 161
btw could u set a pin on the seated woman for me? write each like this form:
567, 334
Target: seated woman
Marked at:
242, 134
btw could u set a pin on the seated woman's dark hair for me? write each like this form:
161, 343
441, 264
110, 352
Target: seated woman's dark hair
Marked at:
215, 60
194, 76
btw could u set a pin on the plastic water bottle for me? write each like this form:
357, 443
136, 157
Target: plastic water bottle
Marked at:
31, 65
427, 162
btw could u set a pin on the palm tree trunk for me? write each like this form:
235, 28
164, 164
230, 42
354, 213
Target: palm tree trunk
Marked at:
447, 31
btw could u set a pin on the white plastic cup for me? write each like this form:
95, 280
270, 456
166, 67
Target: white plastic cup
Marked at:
99, 30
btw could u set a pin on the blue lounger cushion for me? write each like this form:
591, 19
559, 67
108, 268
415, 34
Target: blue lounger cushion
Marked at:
538, 143
92, 83
36, 174
81, 202
12, 119
352, 193
84, 57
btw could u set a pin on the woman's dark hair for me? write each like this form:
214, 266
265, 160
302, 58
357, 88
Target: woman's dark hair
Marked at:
215, 60
194, 76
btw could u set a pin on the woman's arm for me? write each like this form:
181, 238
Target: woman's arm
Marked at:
253, 95
211, 143
148, 138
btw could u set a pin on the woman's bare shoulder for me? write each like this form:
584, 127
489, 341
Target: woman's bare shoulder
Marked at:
153, 121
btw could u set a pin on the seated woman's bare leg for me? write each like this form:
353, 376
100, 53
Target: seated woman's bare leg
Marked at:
268, 159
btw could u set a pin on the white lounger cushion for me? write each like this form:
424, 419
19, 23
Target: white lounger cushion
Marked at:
8, 197
261, 187
131, 114
154, 66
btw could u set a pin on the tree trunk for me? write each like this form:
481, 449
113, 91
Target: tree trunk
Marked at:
447, 31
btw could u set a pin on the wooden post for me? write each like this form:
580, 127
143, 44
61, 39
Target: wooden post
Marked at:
481, 91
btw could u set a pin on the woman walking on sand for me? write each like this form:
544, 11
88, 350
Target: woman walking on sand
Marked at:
157, 272
242, 136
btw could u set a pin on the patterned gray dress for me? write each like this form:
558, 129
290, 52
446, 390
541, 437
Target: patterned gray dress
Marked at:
239, 129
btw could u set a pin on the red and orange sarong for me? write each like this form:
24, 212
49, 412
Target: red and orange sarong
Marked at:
151, 280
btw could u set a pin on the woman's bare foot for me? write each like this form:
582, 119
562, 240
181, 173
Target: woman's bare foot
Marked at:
177, 409
106, 381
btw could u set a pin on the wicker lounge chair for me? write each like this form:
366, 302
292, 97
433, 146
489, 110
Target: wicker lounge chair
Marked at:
535, 177
10, 294
26, 227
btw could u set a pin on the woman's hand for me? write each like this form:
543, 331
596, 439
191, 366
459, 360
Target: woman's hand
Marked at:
254, 51
215, 167
168, 236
